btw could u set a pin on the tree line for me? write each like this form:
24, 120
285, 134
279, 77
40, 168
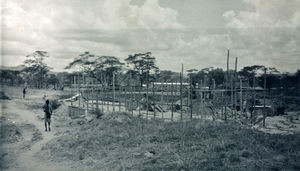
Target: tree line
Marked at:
138, 70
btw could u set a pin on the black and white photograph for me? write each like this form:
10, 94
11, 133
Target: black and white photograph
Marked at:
146, 85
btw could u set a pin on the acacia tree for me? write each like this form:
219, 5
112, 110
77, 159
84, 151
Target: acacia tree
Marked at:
101, 68
35, 70
141, 64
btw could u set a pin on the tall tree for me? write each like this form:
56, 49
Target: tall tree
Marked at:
35, 70
142, 64
101, 68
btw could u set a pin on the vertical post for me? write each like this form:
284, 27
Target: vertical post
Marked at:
227, 74
114, 92
119, 97
147, 100
254, 101
153, 96
226, 85
231, 94
201, 98
162, 100
265, 86
107, 98
132, 99
181, 89
241, 97
97, 96
234, 85
172, 99
101, 95
93, 96
190, 99
139, 101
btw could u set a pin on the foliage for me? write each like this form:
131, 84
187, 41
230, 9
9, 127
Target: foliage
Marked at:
141, 65
101, 68
11, 77
35, 70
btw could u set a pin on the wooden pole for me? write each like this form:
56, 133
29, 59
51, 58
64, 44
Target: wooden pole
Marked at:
241, 97
265, 86
114, 92
190, 99
162, 100
181, 89
231, 95
139, 101
119, 97
234, 85
254, 101
101, 97
132, 99
153, 96
147, 97
172, 99
107, 99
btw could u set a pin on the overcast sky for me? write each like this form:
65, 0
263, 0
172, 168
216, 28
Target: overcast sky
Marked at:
196, 33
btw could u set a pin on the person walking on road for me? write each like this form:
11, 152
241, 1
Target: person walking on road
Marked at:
48, 112
24, 92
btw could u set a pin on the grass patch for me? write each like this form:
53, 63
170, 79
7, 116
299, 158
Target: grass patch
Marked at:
136, 144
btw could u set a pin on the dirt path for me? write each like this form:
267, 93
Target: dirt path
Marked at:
34, 136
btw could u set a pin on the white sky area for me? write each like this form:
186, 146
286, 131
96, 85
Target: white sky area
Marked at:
196, 33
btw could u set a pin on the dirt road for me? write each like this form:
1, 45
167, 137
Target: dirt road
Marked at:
23, 136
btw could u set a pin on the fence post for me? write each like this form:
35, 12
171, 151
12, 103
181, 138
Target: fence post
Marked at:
107, 99
162, 99
154, 104
139, 101
132, 99
265, 86
114, 92
181, 110
241, 98
97, 96
147, 101
190, 99
119, 98
172, 101
254, 101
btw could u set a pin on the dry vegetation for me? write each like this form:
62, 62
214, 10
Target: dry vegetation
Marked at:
121, 141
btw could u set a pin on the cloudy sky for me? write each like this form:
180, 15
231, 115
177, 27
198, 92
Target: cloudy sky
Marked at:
196, 33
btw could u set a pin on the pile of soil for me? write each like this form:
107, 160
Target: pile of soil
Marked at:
3, 96
121, 141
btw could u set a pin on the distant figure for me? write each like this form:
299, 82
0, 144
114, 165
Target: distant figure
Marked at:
48, 112
24, 92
